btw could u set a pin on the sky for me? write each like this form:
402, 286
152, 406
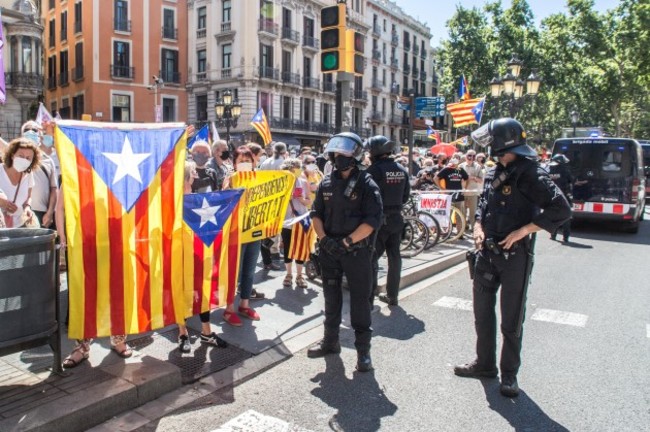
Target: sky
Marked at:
436, 13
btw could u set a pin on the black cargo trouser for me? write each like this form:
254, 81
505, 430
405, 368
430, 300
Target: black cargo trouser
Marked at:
388, 240
494, 271
357, 268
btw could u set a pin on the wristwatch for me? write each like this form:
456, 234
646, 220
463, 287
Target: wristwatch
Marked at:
349, 241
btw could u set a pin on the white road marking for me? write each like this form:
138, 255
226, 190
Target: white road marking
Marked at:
454, 303
252, 421
560, 317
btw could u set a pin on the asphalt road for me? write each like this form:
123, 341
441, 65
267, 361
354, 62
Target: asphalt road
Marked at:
586, 358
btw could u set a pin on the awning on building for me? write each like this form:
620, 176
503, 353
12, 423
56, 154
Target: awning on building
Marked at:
290, 140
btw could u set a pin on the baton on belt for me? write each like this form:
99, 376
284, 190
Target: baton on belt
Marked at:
529, 270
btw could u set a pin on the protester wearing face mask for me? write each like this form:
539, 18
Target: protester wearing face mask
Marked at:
16, 180
45, 187
207, 181
312, 174
220, 161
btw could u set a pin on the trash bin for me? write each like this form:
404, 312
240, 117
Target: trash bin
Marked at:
29, 291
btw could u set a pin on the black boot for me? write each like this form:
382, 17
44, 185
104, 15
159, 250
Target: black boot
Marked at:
509, 386
364, 362
392, 301
323, 348
474, 370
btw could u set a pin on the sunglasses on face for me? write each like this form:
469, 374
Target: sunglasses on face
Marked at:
309, 162
31, 129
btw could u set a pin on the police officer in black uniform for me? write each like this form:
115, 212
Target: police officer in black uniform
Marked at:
346, 212
518, 200
560, 173
393, 182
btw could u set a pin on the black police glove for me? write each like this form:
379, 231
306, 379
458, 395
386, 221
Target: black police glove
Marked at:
333, 247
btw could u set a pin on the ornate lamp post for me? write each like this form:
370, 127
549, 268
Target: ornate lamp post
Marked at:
512, 87
575, 117
228, 112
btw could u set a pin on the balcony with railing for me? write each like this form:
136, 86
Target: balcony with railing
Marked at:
269, 73
407, 46
406, 69
268, 26
377, 116
290, 35
310, 42
201, 76
394, 63
416, 50
415, 71
226, 73
329, 87
125, 72
423, 54
78, 73
394, 89
170, 76
226, 27
377, 85
311, 83
200, 33
169, 33
301, 125
51, 82
290, 78
376, 29
423, 75
24, 80
376, 54
122, 25
77, 26
395, 119
360, 95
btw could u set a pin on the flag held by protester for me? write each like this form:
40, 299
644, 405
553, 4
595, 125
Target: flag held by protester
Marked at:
403, 103
262, 126
215, 132
206, 255
202, 135
303, 238
467, 112
123, 198
433, 134
43, 115
463, 89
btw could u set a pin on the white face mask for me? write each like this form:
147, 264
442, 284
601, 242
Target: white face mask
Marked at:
312, 167
21, 164
32, 136
244, 166
48, 140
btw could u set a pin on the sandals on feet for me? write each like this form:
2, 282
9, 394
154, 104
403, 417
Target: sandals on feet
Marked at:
125, 353
301, 282
249, 313
232, 319
69, 362
288, 280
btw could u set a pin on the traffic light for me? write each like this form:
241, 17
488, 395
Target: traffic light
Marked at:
333, 38
355, 61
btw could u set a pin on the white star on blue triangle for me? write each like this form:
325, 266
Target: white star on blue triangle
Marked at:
206, 213
127, 162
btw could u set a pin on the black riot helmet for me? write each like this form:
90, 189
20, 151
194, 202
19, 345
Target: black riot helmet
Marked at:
504, 135
345, 143
380, 145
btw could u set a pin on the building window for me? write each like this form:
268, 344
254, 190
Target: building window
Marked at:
169, 29
78, 71
121, 60
201, 108
307, 105
201, 61
27, 54
121, 108
227, 7
122, 22
51, 72
169, 66
64, 112
52, 33
77, 17
226, 56
327, 113
63, 68
77, 106
169, 109
265, 103
286, 107
202, 18
64, 26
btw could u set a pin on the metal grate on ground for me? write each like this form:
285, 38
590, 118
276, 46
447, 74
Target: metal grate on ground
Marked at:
201, 361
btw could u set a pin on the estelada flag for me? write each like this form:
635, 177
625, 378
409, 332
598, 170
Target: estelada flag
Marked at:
209, 252
466, 112
262, 126
303, 238
264, 203
123, 197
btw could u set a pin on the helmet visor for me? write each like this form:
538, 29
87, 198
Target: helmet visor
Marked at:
482, 135
342, 145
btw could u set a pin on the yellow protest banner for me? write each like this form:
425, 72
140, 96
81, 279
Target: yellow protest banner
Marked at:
264, 203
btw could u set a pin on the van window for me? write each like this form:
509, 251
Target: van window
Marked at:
612, 161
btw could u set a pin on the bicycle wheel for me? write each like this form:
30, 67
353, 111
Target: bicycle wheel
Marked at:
457, 224
417, 233
434, 228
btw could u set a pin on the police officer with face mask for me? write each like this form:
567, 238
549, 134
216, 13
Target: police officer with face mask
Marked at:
346, 212
518, 200
393, 182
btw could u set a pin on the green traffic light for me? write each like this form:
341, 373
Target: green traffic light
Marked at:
330, 61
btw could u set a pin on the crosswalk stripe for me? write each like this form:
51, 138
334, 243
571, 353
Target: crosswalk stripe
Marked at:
252, 421
454, 303
560, 317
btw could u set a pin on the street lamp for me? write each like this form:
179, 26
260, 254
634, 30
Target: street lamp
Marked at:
227, 112
511, 86
575, 117
158, 83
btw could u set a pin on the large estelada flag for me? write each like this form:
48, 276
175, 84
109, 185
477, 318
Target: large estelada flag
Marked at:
264, 203
466, 112
262, 126
123, 197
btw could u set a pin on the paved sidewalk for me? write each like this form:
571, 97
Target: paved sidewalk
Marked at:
158, 378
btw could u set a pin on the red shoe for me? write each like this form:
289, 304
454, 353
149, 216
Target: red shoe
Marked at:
232, 318
249, 313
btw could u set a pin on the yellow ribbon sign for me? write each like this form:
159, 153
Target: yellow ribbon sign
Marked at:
264, 203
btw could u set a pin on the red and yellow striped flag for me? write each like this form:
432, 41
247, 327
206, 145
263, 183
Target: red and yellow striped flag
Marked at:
123, 197
303, 240
262, 126
466, 112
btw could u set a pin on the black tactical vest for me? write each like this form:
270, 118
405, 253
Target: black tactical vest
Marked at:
343, 214
391, 179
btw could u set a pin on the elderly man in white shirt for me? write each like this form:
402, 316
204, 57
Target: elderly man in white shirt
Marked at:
476, 174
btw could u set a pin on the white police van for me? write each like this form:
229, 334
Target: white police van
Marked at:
609, 178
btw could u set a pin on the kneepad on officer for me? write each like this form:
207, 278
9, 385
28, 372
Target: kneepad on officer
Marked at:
515, 192
393, 182
346, 211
